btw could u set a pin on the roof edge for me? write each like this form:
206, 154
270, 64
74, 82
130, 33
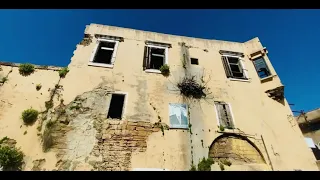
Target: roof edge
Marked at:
190, 37
42, 67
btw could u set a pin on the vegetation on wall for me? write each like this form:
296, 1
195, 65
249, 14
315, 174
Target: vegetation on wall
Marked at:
48, 104
26, 69
165, 70
3, 79
29, 116
38, 87
63, 72
86, 40
11, 158
190, 88
203, 165
221, 128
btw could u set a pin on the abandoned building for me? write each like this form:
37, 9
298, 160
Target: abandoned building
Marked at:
310, 126
136, 100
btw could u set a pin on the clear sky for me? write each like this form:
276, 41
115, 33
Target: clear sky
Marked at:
49, 37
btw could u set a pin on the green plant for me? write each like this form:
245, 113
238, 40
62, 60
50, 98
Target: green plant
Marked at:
190, 88
63, 72
226, 162
221, 166
50, 124
3, 80
221, 128
205, 164
29, 116
193, 168
11, 159
38, 87
48, 104
26, 69
3, 139
165, 70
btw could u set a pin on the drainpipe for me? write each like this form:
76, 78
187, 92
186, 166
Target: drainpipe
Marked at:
270, 163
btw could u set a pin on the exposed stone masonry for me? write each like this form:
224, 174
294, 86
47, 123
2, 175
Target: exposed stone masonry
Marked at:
118, 139
83, 136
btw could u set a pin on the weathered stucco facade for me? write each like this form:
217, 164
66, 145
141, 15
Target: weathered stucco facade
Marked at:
263, 137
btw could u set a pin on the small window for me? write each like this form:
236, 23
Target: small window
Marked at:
194, 61
105, 53
261, 67
224, 115
154, 57
233, 67
178, 115
116, 106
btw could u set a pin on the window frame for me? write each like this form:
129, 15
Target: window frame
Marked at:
179, 126
242, 64
95, 50
267, 67
231, 114
165, 57
125, 101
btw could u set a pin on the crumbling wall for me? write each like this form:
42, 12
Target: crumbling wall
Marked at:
17, 94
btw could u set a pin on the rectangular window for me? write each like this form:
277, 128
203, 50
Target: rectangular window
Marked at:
105, 53
224, 115
154, 57
116, 106
261, 67
194, 61
178, 115
233, 67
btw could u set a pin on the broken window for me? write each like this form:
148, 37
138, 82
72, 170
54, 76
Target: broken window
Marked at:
261, 67
116, 106
233, 67
224, 114
154, 57
194, 61
178, 115
105, 52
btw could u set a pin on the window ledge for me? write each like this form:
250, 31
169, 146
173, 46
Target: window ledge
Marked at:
267, 78
242, 80
153, 71
179, 127
100, 65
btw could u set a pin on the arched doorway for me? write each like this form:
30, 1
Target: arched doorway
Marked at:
238, 149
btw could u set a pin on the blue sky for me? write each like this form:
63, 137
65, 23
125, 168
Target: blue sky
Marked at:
49, 37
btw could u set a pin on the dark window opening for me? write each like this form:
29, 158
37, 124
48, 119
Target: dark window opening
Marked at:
154, 58
261, 67
104, 52
233, 67
316, 153
116, 106
194, 61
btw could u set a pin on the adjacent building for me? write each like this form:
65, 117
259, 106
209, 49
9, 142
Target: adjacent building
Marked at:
309, 124
138, 100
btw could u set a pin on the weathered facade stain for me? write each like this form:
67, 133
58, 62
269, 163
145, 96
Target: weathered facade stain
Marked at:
85, 139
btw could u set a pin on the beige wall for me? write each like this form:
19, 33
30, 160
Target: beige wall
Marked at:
254, 112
